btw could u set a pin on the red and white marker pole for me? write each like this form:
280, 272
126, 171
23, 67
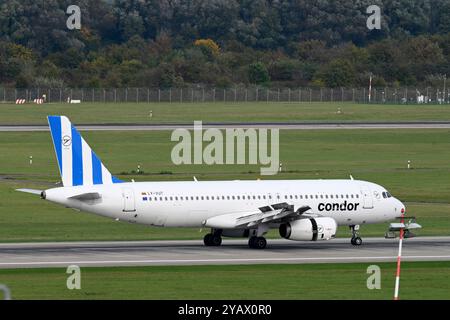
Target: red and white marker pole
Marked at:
399, 260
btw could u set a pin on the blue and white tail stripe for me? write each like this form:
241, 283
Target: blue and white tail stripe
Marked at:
78, 164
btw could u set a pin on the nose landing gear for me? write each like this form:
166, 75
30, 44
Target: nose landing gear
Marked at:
356, 239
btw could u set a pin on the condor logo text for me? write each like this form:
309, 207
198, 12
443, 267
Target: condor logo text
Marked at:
338, 206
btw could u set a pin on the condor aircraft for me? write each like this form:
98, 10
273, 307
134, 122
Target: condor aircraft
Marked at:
303, 210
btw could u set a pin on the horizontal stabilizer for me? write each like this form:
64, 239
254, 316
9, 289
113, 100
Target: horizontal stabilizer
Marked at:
32, 191
86, 196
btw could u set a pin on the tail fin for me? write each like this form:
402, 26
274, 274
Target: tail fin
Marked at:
78, 164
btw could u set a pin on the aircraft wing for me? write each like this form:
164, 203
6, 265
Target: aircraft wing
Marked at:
275, 213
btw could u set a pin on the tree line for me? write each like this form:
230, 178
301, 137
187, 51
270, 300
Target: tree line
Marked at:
223, 43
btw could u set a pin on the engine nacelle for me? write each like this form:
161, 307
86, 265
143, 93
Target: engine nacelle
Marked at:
309, 229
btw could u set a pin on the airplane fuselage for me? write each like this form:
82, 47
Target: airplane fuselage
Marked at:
190, 204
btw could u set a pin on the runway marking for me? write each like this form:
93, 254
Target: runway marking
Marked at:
217, 260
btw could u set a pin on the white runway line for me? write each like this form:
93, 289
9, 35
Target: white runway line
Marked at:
117, 262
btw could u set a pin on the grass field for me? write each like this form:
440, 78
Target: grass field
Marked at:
89, 113
375, 155
420, 280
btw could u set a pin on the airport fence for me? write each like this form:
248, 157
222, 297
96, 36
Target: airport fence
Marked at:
197, 95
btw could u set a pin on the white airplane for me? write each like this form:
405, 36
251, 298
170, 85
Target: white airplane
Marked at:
303, 210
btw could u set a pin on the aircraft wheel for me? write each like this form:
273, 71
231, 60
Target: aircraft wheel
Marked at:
216, 240
207, 240
251, 242
257, 243
260, 243
357, 241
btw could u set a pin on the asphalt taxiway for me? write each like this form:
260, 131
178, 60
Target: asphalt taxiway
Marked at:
192, 252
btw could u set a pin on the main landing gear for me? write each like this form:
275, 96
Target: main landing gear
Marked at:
256, 239
356, 239
257, 242
213, 239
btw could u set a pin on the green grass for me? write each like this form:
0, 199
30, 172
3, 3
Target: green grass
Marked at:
88, 113
374, 155
420, 280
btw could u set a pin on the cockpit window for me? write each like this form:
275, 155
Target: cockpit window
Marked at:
386, 195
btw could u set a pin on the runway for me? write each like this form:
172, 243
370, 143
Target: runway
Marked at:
165, 253
268, 125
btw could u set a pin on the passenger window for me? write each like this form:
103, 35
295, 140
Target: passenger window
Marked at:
264, 197
270, 197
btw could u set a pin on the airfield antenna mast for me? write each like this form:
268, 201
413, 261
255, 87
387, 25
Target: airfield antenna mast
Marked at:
399, 258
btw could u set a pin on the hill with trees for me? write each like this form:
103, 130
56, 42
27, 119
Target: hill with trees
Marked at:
223, 43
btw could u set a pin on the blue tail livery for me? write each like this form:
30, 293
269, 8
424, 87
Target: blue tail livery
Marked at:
78, 164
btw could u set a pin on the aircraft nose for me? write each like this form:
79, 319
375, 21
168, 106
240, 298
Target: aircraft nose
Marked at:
401, 208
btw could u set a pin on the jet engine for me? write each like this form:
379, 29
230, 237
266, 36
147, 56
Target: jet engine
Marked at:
309, 229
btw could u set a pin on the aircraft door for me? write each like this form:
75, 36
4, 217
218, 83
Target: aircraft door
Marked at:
128, 200
367, 197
